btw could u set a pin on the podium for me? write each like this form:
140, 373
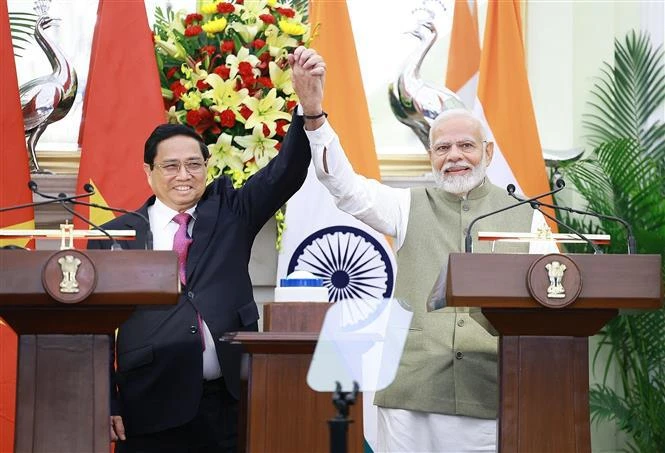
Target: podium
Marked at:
65, 306
279, 412
544, 316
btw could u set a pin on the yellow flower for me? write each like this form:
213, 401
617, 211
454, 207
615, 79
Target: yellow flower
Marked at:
246, 31
277, 41
224, 154
266, 110
224, 95
292, 28
272, 2
252, 9
209, 8
281, 79
214, 26
232, 61
258, 145
192, 76
192, 101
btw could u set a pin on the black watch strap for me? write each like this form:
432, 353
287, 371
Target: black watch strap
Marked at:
314, 117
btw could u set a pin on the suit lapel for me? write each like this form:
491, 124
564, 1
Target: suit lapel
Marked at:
137, 224
207, 212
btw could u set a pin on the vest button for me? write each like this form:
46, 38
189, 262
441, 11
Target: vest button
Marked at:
193, 329
465, 207
459, 355
460, 322
190, 295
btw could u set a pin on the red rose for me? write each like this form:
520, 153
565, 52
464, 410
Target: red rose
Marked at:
171, 72
227, 118
267, 18
286, 12
278, 146
265, 57
258, 43
227, 46
266, 130
193, 118
245, 69
225, 8
222, 71
178, 89
265, 81
202, 85
280, 127
193, 18
193, 30
245, 111
290, 105
210, 50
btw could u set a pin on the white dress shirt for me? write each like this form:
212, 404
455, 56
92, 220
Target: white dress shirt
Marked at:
163, 231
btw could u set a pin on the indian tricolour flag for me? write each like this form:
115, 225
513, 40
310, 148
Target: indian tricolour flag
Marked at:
353, 260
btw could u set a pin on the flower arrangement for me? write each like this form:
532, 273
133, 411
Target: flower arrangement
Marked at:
224, 72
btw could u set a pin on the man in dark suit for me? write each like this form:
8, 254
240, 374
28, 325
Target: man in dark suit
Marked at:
176, 385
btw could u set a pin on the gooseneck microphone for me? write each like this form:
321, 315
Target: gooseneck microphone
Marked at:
63, 200
49, 199
632, 242
91, 189
537, 204
468, 248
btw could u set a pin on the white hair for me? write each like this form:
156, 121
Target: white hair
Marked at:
450, 114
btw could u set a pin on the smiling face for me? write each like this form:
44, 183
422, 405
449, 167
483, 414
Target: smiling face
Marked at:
184, 189
458, 153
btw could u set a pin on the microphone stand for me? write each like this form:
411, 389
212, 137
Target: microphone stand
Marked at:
632, 243
339, 426
62, 200
468, 241
536, 205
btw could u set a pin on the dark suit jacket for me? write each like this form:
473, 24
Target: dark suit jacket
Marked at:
159, 361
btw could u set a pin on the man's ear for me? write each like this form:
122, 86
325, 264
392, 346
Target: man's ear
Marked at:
489, 150
148, 174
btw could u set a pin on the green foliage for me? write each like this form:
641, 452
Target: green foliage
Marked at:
624, 177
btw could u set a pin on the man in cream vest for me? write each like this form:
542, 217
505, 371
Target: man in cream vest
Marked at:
444, 397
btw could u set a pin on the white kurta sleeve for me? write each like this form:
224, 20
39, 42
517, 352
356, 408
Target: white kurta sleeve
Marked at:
384, 208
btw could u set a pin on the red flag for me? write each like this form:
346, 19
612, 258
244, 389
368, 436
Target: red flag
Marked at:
123, 104
14, 176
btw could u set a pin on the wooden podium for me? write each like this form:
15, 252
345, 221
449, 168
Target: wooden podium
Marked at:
65, 317
279, 412
543, 349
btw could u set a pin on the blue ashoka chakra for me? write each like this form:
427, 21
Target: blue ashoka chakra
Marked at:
351, 262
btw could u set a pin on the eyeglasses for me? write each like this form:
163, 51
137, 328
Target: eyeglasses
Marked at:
193, 167
465, 146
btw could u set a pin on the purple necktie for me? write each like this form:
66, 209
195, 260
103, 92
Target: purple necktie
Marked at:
181, 243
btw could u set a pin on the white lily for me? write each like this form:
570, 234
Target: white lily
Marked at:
259, 146
266, 110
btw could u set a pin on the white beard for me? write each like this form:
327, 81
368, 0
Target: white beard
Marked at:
461, 184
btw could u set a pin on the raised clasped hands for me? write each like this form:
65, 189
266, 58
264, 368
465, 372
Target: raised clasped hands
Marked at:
308, 78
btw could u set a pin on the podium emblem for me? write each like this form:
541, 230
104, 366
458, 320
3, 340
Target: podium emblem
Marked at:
69, 276
555, 272
554, 280
69, 266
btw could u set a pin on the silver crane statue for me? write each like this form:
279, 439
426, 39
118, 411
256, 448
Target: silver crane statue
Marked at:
48, 98
414, 101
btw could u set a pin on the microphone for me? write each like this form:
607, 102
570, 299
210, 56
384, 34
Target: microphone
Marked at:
62, 200
89, 187
632, 242
49, 199
560, 184
537, 204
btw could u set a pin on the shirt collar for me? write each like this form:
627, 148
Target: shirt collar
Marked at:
162, 214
